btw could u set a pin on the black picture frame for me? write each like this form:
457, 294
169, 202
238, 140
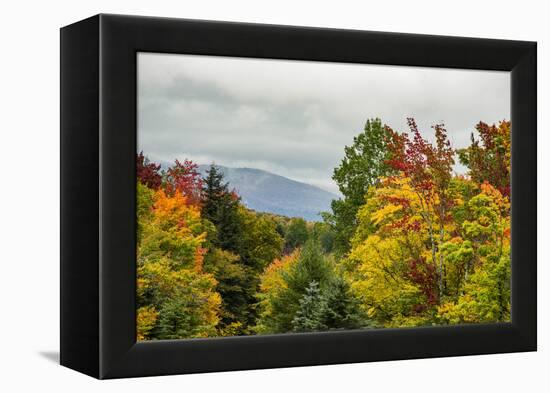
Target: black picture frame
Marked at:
98, 209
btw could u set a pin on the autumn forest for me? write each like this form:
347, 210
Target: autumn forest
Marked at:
409, 243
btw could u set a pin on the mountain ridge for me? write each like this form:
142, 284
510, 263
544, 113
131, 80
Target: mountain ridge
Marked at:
268, 192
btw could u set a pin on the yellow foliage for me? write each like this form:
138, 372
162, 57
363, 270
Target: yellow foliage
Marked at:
146, 319
272, 282
271, 279
385, 213
379, 279
172, 211
170, 279
173, 230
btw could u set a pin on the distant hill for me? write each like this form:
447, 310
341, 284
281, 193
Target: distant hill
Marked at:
266, 192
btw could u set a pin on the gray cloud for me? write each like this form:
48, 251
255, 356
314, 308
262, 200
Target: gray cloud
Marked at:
294, 118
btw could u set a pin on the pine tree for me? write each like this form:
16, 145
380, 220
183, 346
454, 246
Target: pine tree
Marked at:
175, 322
311, 295
213, 189
343, 308
311, 266
313, 310
220, 206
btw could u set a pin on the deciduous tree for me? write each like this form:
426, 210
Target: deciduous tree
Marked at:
488, 159
148, 173
296, 234
184, 177
364, 162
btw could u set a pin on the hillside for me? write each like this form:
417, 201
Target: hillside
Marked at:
266, 192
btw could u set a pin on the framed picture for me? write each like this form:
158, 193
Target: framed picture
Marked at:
241, 196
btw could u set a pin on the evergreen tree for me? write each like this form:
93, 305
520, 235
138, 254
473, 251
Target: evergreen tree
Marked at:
249, 243
185, 313
220, 206
312, 311
311, 266
174, 322
311, 296
343, 308
232, 284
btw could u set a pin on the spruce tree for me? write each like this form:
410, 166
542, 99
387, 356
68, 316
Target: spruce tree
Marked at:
315, 297
174, 322
220, 206
311, 266
343, 307
213, 189
312, 312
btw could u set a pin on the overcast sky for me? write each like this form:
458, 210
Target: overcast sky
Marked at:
293, 118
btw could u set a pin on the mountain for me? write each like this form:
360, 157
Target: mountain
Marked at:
266, 192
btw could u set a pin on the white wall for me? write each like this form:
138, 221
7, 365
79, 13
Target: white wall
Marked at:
29, 184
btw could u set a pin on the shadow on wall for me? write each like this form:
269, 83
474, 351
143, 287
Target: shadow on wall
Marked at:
52, 356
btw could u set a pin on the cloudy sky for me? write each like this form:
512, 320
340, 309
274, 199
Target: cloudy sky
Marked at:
293, 118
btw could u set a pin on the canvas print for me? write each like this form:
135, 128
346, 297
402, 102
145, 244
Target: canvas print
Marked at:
278, 197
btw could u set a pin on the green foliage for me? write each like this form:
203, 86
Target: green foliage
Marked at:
186, 301
176, 299
409, 244
324, 234
144, 206
285, 302
333, 307
343, 220
232, 278
431, 247
260, 243
486, 295
344, 308
221, 207
312, 310
309, 295
296, 234
363, 164
184, 314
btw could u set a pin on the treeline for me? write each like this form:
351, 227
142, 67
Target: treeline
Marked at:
203, 258
420, 245
408, 244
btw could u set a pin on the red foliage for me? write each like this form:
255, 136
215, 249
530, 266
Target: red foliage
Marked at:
396, 146
426, 165
429, 166
395, 200
491, 161
184, 177
424, 275
234, 196
404, 222
148, 172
